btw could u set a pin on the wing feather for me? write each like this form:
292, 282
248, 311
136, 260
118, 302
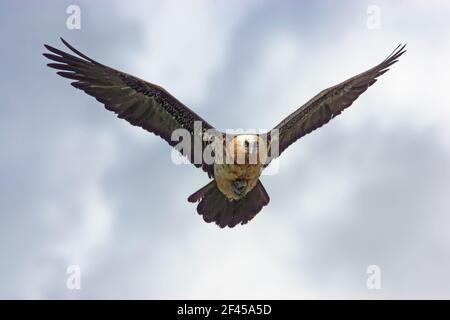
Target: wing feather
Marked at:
139, 102
330, 102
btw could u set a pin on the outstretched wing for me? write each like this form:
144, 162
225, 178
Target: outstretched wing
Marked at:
330, 102
139, 102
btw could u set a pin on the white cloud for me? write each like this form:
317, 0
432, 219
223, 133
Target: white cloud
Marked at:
356, 192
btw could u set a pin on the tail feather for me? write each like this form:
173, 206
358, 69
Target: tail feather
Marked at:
199, 194
215, 207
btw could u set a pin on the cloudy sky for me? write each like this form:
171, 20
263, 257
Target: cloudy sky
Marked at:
80, 187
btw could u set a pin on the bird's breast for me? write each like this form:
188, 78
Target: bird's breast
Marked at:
238, 171
236, 180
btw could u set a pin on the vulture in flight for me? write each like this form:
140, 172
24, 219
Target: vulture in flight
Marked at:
235, 194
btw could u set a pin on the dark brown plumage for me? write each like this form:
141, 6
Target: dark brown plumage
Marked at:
139, 102
215, 207
235, 195
330, 102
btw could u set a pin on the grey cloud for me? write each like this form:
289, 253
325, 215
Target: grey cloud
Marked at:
79, 186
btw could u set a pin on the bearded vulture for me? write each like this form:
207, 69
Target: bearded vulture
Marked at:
235, 193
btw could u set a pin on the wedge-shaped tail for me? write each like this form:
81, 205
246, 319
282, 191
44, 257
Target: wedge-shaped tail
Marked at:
215, 207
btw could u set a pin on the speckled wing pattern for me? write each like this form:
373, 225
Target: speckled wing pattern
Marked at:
139, 102
330, 102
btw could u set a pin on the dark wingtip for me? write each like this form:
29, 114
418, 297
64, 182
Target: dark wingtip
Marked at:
64, 42
48, 55
76, 51
398, 51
